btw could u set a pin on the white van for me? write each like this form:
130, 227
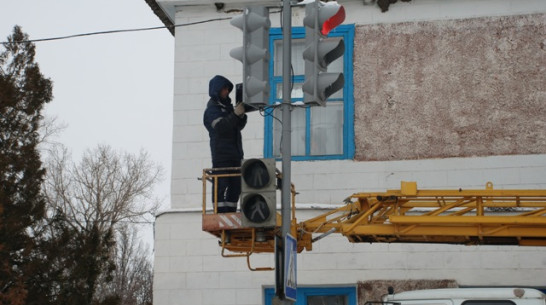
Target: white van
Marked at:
468, 296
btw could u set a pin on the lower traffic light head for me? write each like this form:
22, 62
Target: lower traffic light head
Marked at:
258, 193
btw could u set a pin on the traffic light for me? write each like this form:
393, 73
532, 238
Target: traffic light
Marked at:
254, 54
258, 193
320, 19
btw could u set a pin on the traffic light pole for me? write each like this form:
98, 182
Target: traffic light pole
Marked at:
286, 140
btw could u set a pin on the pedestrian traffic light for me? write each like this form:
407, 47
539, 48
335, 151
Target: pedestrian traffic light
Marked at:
258, 193
254, 54
320, 19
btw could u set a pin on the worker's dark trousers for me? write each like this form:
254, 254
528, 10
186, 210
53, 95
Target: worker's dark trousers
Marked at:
229, 188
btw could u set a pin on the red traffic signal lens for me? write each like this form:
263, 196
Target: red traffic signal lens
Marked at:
333, 21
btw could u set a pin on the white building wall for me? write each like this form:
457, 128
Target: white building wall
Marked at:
188, 265
189, 268
202, 51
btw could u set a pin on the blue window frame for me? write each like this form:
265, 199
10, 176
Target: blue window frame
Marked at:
317, 295
318, 133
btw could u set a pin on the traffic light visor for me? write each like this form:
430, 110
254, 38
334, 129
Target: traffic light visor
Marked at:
337, 18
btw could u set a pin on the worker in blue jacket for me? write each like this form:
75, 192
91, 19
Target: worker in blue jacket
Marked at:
224, 124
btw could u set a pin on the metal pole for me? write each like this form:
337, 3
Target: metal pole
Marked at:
286, 140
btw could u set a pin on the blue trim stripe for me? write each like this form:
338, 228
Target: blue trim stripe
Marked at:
304, 292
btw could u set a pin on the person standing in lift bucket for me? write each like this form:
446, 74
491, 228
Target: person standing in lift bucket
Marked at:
224, 124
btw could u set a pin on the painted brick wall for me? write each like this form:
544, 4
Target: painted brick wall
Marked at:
457, 88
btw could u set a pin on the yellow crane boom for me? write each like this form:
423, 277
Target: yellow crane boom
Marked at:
405, 215
500, 217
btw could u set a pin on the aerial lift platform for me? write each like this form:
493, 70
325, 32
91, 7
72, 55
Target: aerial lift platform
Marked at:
405, 215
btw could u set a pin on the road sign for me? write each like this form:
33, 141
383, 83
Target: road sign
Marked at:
290, 279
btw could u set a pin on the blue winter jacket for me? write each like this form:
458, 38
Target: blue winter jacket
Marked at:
223, 125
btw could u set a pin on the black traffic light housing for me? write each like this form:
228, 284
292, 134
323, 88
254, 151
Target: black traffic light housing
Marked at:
239, 98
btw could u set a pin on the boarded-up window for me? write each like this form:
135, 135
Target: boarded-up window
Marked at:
457, 88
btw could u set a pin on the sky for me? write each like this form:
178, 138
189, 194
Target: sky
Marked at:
113, 89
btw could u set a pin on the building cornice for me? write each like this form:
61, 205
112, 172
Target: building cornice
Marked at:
166, 9
161, 15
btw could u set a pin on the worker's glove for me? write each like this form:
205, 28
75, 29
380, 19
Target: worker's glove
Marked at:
239, 110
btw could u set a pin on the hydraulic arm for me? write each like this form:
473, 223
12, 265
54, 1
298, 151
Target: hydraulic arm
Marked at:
498, 217
406, 215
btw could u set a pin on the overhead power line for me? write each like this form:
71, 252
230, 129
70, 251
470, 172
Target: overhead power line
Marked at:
119, 31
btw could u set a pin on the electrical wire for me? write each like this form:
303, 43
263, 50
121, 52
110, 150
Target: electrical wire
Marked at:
139, 29
262, 111
124, 31
116, 31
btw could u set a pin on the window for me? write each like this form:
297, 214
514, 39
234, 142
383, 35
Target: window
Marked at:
319, 296
317, 132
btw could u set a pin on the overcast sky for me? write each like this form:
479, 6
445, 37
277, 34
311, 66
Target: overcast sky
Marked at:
113, 89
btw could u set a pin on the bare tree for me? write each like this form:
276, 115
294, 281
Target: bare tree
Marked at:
50, 129
89, 205
132, 279
106, 187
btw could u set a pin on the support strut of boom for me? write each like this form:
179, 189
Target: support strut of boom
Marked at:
407, 215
